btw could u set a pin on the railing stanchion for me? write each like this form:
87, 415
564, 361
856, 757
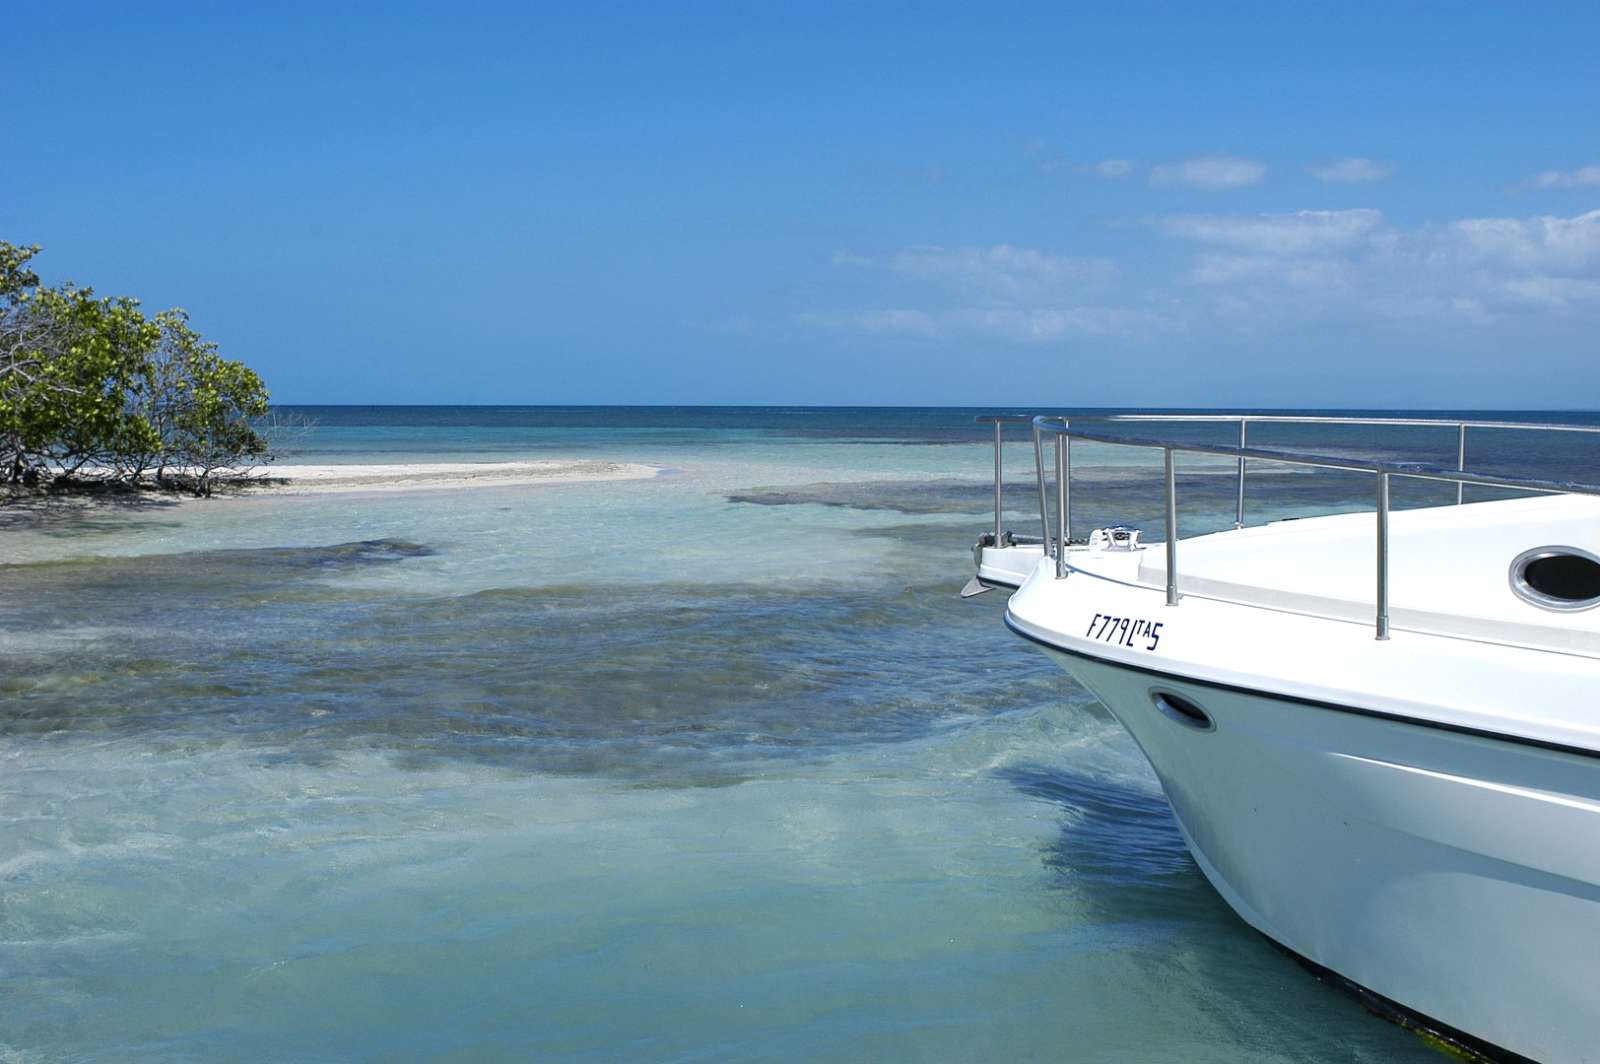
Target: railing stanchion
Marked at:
1044, 509
1238, 515
1066, 493
1172, 530
1061, 506
1383, 556
998, 474
1461, 462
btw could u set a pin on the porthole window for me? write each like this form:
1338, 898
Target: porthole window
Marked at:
1557, 578
1183, 710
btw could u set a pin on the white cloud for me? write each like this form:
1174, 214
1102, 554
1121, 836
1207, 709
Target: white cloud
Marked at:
1286, 273
1350, 171
1278, 234
1019, 325
1000, 272
1031, 325
1555, 292
1544, 243
890, 322
1583, 177
1212, 171
1110, 169
1015, 294
1319, 273
1474, 268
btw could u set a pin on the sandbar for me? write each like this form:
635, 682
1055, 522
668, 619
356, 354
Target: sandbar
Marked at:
433, 476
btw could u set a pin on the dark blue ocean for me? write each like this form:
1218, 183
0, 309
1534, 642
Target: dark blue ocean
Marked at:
705, 764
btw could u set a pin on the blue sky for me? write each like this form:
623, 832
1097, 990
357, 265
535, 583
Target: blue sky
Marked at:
1284, 204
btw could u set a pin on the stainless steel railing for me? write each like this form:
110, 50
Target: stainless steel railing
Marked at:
1064, 433
1244, 421
999, 421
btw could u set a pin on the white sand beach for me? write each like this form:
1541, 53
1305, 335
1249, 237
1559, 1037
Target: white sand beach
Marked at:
429, 476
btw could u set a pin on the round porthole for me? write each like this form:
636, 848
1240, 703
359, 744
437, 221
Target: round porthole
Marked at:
1557, 578
1183, 710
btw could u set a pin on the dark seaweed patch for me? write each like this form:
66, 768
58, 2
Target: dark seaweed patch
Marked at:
670, 683
1106, 496
196, 570
902, 496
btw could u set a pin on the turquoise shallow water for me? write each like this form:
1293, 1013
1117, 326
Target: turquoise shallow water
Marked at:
713, 766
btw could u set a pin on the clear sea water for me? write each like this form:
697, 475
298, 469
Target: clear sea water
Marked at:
709, 767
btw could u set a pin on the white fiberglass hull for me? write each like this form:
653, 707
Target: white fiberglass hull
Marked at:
1419, 814
1455, 874
1007, 566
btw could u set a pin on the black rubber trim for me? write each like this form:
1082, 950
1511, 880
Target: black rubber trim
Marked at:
1456, 1040
1337, 707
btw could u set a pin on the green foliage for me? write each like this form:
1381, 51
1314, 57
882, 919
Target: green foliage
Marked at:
15, 276
199, 406
91, 386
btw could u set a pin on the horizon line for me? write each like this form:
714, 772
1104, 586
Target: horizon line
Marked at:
929, 406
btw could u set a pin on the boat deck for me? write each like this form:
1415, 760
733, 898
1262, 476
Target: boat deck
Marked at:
1450, 569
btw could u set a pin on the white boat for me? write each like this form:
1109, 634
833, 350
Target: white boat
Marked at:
1379, 732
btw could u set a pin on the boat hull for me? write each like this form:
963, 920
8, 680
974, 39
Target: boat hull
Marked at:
1007, 566
1454, 874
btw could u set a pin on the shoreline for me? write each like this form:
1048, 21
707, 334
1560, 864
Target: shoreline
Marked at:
324, 479
432, 476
